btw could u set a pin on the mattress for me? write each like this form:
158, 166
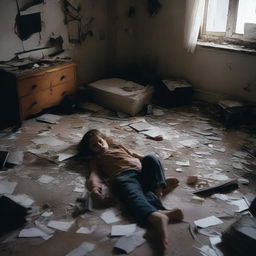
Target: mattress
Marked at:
120, 95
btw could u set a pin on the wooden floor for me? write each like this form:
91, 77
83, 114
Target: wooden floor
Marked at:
191, 135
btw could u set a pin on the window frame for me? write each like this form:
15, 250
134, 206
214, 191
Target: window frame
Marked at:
230, 35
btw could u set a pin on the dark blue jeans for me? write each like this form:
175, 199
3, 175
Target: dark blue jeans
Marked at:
135, 189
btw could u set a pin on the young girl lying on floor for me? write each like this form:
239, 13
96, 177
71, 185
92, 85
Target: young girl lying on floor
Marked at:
136, 180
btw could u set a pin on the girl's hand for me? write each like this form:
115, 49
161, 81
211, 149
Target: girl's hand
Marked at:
140, 157
97, 193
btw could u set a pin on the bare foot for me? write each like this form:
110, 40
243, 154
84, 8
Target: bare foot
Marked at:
173, 215
171, 183
159, 221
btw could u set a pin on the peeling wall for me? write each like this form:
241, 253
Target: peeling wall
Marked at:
215, 74
90, 54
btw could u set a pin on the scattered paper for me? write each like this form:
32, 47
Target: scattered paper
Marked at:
208, 222
34, 232
65, 156
47, 214
183, 163
7, 187
15, 157
141, 126
215, 240
79, 189
110, 216
60, 225
178, 170
82, 250
46, 179
241, 205
206, 250
85, 230
22, 199
152, 133
49, 118
129, 243
123, 230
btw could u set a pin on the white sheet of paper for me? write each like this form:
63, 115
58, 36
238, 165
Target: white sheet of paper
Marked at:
123, 230
79, 189
208, 222
65, 156
85, 230
129, 243
15, 157
215, 240
82, 250
110, 216
206, 250
241, 205
141, 126
153, 132
47, 214
183, 163
7, 187
22, 199
46, 179
60, 225
34, 232
49, 118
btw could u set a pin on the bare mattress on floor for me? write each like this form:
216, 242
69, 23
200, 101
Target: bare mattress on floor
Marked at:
120, 95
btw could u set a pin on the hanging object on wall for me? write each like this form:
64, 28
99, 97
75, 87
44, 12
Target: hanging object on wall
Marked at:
78, 27
27, 24
153, 7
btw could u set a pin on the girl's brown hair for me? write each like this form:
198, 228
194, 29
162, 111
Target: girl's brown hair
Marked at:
84, 145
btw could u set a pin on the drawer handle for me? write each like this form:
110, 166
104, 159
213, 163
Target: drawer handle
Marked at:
34, 86
62, 77
64, 93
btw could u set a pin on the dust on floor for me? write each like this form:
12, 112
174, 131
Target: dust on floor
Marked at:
189, 141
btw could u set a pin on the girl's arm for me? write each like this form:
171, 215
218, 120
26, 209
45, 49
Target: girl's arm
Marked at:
140, 157
94, 183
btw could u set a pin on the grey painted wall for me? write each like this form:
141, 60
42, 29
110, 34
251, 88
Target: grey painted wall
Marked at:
157, 41
215, 74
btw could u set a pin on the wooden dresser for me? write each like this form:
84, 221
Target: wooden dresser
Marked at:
39, 89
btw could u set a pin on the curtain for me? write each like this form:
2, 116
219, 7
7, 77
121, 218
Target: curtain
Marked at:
193, 20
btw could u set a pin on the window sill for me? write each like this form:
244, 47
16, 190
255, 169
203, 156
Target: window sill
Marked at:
227, 47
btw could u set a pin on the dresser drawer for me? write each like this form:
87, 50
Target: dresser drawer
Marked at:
62, 76
60, 91
33, 84
33, 103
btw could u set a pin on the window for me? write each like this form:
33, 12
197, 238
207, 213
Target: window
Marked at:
229, 20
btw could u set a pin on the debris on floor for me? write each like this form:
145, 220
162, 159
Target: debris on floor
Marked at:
215, 166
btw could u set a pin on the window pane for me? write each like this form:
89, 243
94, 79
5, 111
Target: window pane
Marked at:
246, 14
217, 15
